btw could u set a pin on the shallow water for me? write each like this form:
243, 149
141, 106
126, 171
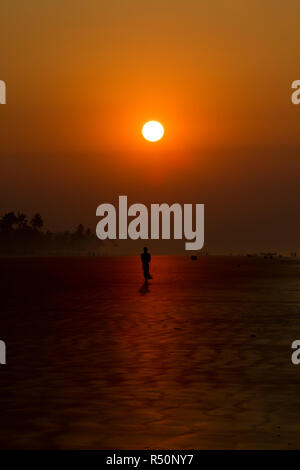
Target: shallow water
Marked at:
201, 358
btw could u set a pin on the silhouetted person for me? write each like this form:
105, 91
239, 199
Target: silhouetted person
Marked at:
146, 258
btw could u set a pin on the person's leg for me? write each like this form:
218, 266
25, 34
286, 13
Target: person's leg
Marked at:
148, 272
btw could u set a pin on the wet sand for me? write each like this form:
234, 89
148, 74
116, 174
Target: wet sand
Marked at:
199, 359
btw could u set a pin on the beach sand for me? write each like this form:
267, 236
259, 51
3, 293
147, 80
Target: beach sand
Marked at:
199, 359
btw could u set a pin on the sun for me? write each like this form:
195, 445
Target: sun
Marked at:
153, 131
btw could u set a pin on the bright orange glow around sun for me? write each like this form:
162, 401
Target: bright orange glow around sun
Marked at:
153, 131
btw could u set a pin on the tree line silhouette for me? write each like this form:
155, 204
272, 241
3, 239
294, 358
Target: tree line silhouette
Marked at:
20, 235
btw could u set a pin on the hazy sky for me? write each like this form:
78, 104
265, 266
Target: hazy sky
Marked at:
84, 75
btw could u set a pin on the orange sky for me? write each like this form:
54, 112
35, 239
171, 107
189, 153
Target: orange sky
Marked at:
82, 78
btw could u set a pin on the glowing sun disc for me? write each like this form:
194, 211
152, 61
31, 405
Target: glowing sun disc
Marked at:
153, 131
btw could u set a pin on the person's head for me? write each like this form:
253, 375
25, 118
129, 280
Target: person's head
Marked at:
145, 249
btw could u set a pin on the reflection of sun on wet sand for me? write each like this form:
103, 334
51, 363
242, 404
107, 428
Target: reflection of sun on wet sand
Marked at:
199, 358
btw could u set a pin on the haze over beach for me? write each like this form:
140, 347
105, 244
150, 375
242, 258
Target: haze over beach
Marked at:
155, 347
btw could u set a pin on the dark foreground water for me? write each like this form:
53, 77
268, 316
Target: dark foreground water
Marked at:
199, 359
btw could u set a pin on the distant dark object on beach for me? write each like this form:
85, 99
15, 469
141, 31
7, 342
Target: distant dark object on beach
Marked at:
194, 257
268, 255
